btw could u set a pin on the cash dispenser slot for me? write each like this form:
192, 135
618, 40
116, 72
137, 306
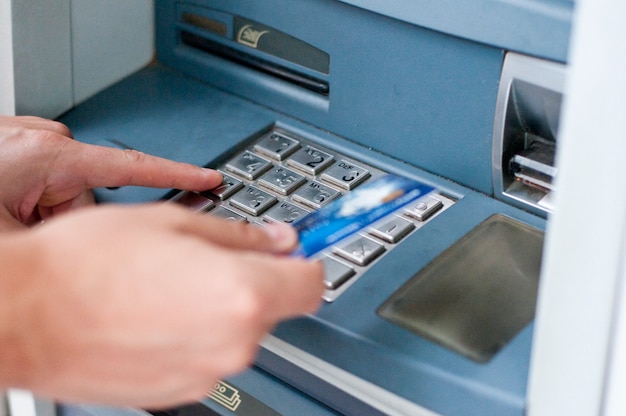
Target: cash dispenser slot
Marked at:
526, 132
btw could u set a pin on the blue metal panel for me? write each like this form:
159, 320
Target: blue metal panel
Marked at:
535, 27
421, 96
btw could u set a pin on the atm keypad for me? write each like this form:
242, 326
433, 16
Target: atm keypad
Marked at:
281, 177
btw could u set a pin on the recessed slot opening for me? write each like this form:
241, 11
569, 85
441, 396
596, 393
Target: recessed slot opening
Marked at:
526, 132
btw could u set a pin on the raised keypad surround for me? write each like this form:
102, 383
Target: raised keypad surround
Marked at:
281, 177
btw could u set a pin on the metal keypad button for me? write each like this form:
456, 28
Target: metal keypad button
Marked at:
285, 212
335, 272
248, 165
281, 180
360, 251
424, 208
392, 229
310, 160
229, 186
228, 214
276, 145
345, 175
315, 194
252, 200
194, 201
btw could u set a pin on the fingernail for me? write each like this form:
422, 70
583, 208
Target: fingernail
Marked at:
215, 175
210, 171
284, 236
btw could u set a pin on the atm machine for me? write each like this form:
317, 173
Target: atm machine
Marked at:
434, 310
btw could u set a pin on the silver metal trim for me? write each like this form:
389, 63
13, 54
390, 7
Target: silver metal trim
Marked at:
365, 391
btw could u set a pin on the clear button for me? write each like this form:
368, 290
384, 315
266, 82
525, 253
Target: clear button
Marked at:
360, 251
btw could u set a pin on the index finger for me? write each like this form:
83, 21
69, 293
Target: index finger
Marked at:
102, 166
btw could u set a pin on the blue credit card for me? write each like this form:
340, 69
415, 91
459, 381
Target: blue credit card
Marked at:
355, 211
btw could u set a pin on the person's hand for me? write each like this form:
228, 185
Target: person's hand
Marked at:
43, 171
143, 306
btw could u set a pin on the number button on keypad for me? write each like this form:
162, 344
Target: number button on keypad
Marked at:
276, 145
285, 212
228, 214
345, 175
310, 160
281, 180
315, 195
252, 200
248, 165
229, 186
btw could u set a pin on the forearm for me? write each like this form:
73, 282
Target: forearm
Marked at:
17, 301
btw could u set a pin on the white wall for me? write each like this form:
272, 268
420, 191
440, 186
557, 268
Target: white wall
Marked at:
56, 53
42, 57
7, 92
110, 39
615, 400
580, 328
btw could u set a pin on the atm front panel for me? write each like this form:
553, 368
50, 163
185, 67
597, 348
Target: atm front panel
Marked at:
429, 312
